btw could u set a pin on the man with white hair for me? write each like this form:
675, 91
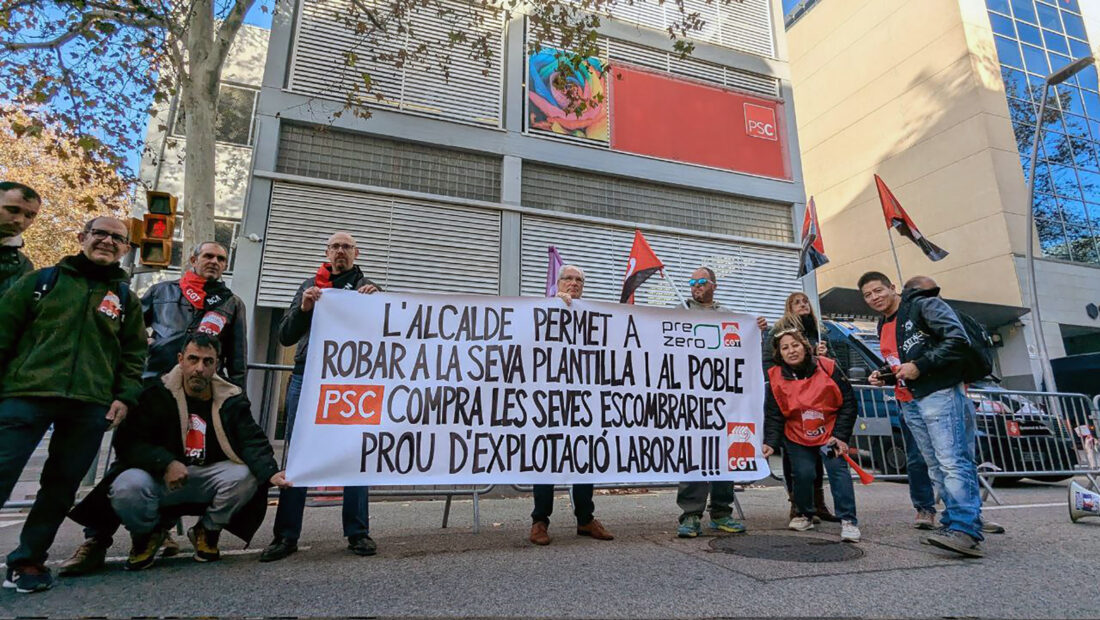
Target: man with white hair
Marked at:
570, 287
341, 273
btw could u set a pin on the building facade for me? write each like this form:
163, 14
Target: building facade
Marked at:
162, 163
939, 98
460, 180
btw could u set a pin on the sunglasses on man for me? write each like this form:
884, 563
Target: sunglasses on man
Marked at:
698, 281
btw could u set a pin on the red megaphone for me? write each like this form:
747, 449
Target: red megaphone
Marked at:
864, 477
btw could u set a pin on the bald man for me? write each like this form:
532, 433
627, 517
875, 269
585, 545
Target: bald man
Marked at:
341, 273
71, 353
197, 302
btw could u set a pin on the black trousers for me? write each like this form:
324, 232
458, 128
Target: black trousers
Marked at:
583, 507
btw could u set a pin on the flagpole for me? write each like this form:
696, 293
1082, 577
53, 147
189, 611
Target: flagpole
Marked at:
894, 251
683, 302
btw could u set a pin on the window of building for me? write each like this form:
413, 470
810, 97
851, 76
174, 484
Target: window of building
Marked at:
236, 109
1050, 35
225, 233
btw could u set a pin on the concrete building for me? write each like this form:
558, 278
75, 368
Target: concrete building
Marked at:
458, 183
939, 98
162, 162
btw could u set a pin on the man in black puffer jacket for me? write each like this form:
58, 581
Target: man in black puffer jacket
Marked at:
924, 344
340, 272
197, 302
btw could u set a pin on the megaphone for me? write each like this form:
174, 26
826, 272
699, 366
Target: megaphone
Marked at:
1082, 502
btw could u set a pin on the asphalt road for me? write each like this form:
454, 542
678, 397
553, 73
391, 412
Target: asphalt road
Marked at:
1044, 566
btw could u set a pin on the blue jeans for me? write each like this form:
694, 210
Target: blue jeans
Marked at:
921, 492
942, 425
804, 463
292, 501
78, 428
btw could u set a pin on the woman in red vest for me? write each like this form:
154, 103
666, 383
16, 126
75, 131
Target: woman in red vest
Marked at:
809, 407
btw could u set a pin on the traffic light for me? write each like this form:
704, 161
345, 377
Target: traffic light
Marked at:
156, 229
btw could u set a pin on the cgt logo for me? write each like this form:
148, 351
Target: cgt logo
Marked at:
350, 404
760, 122
731, 336
741, 455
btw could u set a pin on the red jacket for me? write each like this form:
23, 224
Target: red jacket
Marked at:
810, 409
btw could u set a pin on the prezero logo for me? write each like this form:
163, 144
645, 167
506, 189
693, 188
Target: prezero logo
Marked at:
741, 455
350, 404
760, 122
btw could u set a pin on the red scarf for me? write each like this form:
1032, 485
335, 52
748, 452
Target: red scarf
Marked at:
323, 279
194, 289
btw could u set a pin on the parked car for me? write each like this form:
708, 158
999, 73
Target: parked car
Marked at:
1014, 432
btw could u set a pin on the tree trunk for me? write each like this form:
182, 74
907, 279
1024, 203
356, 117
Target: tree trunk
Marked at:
199, 90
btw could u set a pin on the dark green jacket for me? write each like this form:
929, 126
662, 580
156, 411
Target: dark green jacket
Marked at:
74, 342
13, 264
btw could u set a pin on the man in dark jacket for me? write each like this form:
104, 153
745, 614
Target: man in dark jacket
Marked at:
198, 302
19, 206
924, 344
70, 356
192, 446
340, 272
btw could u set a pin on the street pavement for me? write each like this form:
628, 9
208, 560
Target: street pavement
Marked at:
1044, 566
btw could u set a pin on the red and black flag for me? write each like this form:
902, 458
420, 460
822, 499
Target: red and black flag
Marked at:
896, 217
813, 248
643, 263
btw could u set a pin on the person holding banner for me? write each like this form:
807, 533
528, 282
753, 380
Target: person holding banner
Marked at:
810, 409
340, 272
570, 287
799, 315
691, 497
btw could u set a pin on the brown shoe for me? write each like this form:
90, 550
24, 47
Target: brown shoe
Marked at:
89, 557
539, 535
595, 529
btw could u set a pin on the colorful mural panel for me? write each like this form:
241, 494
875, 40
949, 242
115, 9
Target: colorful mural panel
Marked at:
567, 97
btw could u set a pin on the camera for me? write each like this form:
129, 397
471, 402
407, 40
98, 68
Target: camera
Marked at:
886, 374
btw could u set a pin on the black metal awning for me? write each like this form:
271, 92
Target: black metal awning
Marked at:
848, 302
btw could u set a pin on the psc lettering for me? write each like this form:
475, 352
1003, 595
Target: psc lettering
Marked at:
350, 404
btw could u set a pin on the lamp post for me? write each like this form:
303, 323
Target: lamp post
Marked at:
1059, 76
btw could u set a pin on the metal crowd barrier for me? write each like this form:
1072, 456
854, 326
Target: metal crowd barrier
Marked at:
1045, 436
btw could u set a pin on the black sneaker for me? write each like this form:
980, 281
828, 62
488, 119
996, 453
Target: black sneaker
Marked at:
279, 549
362, 545
958, 542
30, 579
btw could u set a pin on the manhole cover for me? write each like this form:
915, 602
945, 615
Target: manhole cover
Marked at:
787, 548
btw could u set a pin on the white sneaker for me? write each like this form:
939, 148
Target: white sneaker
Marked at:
849, 532
801, 524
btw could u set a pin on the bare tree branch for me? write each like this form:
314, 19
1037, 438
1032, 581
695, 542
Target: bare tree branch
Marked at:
228, 30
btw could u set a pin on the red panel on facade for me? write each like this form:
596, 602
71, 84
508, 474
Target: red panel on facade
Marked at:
685, 121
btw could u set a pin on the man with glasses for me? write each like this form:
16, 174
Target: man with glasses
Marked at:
340, 272
174, 310
692, 496
71, 353
570, 287
19, 206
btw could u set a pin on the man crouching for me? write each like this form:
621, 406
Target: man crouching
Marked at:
191, 447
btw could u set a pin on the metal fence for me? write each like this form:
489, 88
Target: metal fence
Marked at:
1045, 436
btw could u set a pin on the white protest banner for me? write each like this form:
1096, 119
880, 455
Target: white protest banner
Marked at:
435, 389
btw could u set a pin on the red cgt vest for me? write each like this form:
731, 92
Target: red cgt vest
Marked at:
809, 405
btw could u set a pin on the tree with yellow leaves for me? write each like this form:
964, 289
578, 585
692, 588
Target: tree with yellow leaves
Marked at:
74, 184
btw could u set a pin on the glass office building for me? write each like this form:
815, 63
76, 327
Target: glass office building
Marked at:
1034, 38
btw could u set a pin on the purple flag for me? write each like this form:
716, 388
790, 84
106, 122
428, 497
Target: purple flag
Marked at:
552, 268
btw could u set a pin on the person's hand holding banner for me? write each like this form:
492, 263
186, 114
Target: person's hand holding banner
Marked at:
433, 389
279, 480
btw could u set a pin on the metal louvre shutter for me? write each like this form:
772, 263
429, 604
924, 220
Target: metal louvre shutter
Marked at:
744, 25
471, 92
751, 278
633, 53
404, 245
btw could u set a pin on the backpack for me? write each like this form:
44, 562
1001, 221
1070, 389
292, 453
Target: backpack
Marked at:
977, 362
47, 279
